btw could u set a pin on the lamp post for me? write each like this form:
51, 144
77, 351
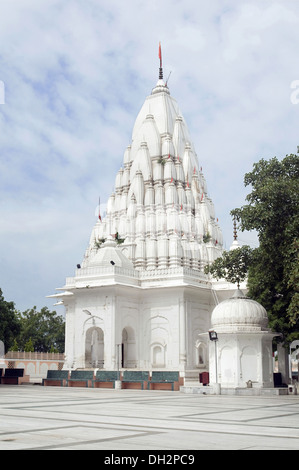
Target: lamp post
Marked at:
214, 337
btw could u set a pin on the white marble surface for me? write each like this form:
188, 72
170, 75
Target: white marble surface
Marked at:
49, 418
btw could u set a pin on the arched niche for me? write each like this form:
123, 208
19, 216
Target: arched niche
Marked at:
94, 348
158, 355
249, 365
201, 353
226, 365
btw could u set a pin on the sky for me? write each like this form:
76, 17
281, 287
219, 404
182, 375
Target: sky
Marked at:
73, 77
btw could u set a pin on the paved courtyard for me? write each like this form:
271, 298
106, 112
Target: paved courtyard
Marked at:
50, 418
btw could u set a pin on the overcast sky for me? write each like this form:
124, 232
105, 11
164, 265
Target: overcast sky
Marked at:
74, 75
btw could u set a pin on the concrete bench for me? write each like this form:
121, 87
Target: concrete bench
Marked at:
132, 378
79, 377
14, 376
105, 379
56, 378
164, 380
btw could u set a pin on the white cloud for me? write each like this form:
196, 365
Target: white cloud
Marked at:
76, 74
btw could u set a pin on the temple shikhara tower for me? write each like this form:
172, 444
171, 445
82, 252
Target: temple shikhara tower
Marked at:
140, 298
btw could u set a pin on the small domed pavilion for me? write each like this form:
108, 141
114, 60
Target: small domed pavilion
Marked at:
244, 345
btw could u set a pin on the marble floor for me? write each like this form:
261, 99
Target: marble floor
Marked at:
33, 417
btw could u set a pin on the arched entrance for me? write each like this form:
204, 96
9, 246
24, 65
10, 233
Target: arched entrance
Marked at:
94, 348
128, 351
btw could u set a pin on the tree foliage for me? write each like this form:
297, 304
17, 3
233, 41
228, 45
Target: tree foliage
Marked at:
29, 346
293, 283
32, 330
43, 329
273, 211
232, 266
9, 323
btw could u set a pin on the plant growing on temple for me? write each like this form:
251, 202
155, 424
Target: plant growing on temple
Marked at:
272, 210
98, 243
119, 240
161, 161
206, 237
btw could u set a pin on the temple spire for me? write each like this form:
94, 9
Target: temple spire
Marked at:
160, 68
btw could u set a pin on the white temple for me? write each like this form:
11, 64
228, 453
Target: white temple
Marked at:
140, 298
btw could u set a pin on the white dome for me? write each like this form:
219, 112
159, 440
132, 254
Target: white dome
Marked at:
239, 313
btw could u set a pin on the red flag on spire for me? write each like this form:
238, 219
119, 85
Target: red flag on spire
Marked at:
160, 54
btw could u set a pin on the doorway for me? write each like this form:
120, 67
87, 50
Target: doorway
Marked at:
128, 349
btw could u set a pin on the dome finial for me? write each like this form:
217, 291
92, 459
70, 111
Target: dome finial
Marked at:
235, 243
160, 68
161, 85
235, 229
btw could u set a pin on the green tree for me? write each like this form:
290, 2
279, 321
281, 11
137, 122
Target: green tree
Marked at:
293, 285
45, 328
15, 346
233, 266
273, 211
29, 346
9, 322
